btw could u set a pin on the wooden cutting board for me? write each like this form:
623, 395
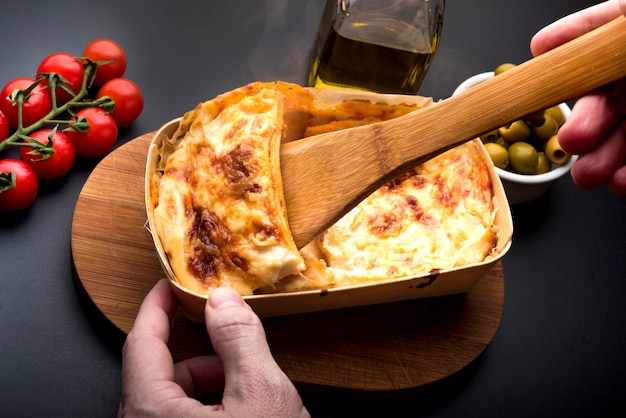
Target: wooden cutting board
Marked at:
382, 347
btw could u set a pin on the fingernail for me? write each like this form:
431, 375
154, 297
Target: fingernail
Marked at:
223, 297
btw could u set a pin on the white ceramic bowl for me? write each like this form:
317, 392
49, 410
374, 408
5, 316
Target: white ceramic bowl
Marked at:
522, 188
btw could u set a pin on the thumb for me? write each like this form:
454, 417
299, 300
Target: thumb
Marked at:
236, 331
253, 379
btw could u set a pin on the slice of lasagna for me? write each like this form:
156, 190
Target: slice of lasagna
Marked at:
220, 211
438, 215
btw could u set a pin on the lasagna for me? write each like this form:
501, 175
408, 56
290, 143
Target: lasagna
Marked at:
219, 211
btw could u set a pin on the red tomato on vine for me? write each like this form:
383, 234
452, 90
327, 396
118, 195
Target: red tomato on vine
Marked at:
56, 164
128, 100
18, 185
100, 134
36, 106
103, 50
69, 68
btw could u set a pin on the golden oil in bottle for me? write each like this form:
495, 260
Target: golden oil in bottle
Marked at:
376, 53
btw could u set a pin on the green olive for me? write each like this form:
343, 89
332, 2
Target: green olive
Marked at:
545, 128
491, 136
557, 114
523, 157
503, 143
499, 155
543, 164
503, 67
516, 131
555, 153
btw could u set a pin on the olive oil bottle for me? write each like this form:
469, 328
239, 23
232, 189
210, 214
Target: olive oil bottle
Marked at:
376, 52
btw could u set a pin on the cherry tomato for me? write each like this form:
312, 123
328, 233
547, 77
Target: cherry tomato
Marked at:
67, 66
57, 164
36, 106
4, 127
106, 50
128, 100
100, 136
20, 193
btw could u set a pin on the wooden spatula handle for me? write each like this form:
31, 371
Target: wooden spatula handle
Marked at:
356, 161
578, 67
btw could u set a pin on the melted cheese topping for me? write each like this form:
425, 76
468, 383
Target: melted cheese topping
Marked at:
220, 213
437, 216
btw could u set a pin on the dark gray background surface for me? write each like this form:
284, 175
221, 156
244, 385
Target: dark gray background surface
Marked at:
559, 349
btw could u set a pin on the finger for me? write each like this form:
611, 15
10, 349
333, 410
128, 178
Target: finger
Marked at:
146, 361
252, 376
574, 25
156, 311
148, 386
236, 332
617, 184
146, 342
200, 376
591, 120
598, 166
593, 117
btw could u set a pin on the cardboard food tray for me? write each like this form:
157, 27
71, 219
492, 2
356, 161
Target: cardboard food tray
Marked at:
444, 282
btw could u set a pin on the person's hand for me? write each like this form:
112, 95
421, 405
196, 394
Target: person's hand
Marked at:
253, 384
596, 129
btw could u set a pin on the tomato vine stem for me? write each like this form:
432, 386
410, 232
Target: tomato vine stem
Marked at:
21, 135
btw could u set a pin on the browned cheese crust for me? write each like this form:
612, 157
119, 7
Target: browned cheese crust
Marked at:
220, 212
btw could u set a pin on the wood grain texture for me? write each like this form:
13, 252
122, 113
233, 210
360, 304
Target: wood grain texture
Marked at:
383, 347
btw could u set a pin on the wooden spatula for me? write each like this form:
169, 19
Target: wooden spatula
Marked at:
324, 176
